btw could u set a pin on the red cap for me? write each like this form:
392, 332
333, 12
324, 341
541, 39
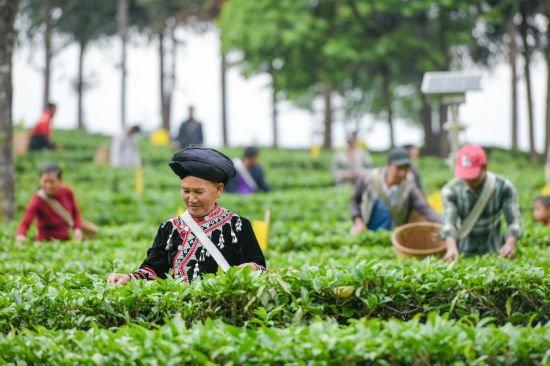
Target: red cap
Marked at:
469, 160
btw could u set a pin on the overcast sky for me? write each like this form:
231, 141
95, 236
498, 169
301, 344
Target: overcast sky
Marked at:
249, 112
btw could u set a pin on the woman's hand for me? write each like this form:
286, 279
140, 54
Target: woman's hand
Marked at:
252, 265
20, 239
77, 235
118, 279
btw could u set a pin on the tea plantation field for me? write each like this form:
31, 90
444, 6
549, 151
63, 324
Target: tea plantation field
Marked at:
327, 297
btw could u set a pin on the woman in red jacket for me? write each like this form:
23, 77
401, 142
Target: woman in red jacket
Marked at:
54, 208
41, 133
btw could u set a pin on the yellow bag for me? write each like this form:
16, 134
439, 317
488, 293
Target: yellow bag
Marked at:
436, 202
546, 190
160, 137
261, 230
315, 151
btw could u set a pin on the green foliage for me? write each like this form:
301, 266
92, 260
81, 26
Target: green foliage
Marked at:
86, 21
490, 287
327, 297
351, 46
392, 342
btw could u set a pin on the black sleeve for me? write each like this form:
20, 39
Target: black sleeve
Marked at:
259, 177
156, 264
249, 250
355, 200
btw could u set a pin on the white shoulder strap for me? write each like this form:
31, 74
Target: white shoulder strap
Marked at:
205, 240
57, 207
239, 166
468, 223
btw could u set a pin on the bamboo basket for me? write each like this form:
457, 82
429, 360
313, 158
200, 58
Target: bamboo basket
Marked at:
418, 240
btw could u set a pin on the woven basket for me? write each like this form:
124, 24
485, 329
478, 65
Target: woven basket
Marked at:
418, 240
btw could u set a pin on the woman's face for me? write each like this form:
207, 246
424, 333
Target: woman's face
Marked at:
50, 183
540, 212
200, 195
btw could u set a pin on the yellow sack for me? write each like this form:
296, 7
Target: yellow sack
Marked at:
160, 137
139, 181
436, 202
261, 230
315, 151
546, 190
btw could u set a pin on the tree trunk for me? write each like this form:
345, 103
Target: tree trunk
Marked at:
512, 58
47, 7
122, 25
8, 11
327, 134
547, 117
388, 104
223, 85
274, 113
171, 75
165, 123
80, 84
527, 72
167, 77
164, 112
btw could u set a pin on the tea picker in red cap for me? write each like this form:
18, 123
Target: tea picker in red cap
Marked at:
473, 205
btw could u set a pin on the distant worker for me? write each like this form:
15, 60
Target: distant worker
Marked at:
41, 132
250, 174
473, 206
350, 164
190, 133
125, 149
54, 208
384, 198
541, 210
414, 172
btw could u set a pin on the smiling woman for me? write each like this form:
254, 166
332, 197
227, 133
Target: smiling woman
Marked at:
206, 235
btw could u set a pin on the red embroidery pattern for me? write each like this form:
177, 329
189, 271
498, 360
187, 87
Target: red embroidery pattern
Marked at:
178, 267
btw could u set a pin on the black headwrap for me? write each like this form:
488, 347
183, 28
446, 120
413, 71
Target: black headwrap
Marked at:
203, 163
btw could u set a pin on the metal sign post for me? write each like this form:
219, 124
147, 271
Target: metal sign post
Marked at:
449, 88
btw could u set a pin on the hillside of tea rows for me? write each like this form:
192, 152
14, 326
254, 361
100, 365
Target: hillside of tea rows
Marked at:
326, 298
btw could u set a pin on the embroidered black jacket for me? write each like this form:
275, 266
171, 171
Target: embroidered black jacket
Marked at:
178, 252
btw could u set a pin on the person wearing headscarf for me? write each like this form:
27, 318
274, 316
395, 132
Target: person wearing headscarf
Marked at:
176, 250
124, 151
250, 174
350, 164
